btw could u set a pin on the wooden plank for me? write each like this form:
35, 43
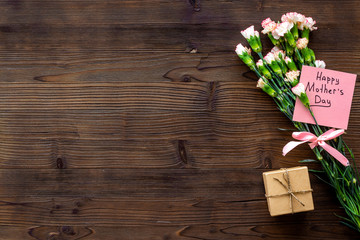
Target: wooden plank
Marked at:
131, 183
178, 38
223, 66
181, 232
143, 209
88, 12
87, 26
85, 153
164, 198
52, 125
111, 129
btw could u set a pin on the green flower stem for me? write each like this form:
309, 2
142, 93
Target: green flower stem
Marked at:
288, 87
298, 56
317, 125
305, 33
268, 67
271, 82
273, 40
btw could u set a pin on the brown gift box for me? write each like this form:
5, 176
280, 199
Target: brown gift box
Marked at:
288, 190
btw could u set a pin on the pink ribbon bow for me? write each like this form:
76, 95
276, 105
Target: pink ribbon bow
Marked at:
318, 141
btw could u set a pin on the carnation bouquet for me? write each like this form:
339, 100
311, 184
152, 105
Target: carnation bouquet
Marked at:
279, 73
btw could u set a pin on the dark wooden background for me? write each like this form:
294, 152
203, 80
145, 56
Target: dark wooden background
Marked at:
136, 120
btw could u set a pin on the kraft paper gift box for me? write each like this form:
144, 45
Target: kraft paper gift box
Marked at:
288, 191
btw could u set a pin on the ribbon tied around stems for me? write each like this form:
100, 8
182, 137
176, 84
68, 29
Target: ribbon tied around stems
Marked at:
318, 141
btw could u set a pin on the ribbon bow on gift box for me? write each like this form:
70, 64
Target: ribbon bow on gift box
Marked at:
318, 141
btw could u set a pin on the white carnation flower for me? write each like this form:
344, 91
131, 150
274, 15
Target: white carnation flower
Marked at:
247, 33
292, 76
275, 49
287, 60
308, 23
320, 64
260, 83
240, 49
298, 89
269, 57
259, 63
281, 29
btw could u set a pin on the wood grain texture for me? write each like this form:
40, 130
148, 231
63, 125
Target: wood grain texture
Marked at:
181, 232
135, 120
138, 202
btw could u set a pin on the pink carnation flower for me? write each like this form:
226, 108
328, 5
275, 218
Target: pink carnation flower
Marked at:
279, 55
266, 22
302, 43
281, 29
269, 57
292, 76
293, 17
268, 26
275, 49
308, 23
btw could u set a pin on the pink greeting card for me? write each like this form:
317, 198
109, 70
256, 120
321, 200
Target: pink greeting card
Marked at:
330, 93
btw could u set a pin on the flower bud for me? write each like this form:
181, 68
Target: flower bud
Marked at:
292, 77
290, 64
266, 88
284, 30
299, 90
320, 64
302, 43
253, 38
306, 26
306, 55
305, 33
293, 17
289, 49
308, 23
273, 40
295, 32
244, 55
268, 26
299, 58
263, 70
312, 54
270, 59
279, 57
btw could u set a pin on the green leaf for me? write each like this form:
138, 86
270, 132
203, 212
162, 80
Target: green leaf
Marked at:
316, 171
308, 160
323, 180
284, 129
349, 225
344, 218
